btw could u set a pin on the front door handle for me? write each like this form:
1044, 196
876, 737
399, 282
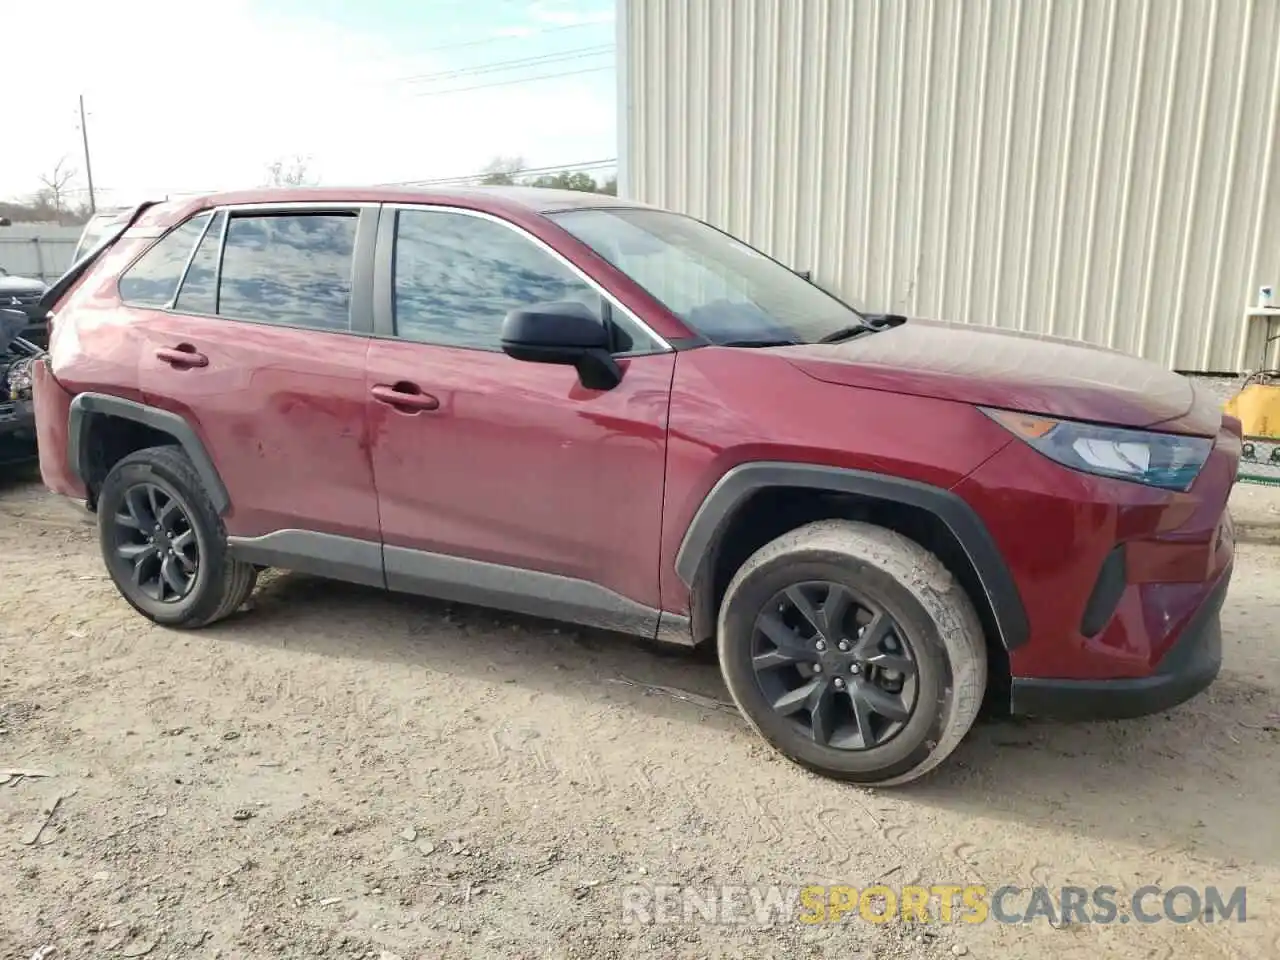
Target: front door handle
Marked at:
183, 355
404, 396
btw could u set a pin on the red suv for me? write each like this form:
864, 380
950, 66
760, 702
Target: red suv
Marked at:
583, 408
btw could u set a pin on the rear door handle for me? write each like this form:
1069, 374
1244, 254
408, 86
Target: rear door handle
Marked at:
183, 355
405, 396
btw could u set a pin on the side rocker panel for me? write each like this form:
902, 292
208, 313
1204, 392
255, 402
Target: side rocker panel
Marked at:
162, 420
740, 483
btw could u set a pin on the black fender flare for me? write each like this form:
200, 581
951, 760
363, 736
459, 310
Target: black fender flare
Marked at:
87, 404
741, 482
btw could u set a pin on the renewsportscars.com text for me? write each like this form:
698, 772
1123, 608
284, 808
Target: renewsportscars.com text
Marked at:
939, 903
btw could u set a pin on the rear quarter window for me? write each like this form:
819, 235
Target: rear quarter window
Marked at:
153, 279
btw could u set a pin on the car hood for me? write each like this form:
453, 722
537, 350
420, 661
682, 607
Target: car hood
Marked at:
20, 285
1028, 372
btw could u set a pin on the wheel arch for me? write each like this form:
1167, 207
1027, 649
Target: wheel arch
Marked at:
778, 496
90, 456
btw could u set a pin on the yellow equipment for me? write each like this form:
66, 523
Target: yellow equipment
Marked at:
1257, 406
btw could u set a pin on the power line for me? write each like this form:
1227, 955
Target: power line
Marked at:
507, 83
543, 59
515, 36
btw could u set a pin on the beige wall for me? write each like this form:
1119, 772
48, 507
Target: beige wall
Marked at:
1099, 169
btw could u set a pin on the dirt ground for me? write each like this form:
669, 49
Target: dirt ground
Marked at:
344, 773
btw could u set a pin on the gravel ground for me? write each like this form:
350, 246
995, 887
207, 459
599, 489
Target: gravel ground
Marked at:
1224, 388
344, 773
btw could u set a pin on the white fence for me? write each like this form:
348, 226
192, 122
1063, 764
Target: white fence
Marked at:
37, 250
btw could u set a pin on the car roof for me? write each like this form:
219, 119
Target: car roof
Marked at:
499, 200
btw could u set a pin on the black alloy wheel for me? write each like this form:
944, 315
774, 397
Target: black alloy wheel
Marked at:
853, 651
835, 664
154, 544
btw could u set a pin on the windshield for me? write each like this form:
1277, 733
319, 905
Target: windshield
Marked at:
720, 287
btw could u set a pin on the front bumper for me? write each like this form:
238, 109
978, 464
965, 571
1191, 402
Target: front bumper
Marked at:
1187, 669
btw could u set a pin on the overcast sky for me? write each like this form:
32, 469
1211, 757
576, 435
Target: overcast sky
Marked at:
197, 95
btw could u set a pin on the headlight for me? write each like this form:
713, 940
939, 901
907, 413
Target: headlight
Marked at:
1166, 460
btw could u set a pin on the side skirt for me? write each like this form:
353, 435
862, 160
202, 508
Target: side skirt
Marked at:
475, 582
320, 554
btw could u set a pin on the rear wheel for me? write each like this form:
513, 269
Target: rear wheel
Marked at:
164, 544
853, 651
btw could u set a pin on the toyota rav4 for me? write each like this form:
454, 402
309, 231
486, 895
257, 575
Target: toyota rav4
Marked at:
591, 410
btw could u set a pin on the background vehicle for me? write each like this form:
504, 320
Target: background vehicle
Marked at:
568, 405
97, 228
17, 414
23, 294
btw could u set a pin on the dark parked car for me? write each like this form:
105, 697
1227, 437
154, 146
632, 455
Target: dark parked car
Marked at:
583, 408
17, 414
24, 293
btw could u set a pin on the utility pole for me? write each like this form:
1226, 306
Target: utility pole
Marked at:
88, 170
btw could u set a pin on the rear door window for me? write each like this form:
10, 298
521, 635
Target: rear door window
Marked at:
153, 279
289, 269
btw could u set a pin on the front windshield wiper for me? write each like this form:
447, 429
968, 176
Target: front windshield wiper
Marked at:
870, 323
847, 333
760, 343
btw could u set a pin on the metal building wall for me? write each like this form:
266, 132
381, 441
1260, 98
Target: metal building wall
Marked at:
1098, 169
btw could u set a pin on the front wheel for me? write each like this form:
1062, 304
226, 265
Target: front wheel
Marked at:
853, 651
164, 544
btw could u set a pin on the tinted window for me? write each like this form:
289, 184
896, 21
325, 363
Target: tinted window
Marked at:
457, 276
153, 280
290, 269
197, 294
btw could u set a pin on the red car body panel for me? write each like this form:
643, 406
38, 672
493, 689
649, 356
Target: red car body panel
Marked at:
1056, 527
53, 406
282, 412
996, 368
521, 465
730, 407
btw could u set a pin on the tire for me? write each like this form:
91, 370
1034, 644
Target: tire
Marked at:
216, 585
933, 636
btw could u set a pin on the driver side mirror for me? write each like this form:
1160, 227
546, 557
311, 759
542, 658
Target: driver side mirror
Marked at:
565, 332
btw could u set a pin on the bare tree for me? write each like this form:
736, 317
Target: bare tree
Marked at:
502, 171
54, 192
289, 173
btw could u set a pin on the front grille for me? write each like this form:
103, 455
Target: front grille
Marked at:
19, 299
8, 410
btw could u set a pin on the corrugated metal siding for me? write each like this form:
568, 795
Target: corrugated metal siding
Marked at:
1099, 169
